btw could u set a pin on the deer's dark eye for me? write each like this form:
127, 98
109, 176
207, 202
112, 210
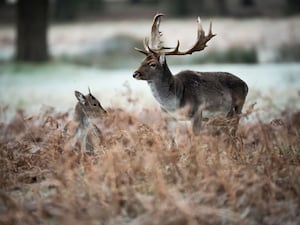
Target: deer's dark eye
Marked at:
94, 104
152, 65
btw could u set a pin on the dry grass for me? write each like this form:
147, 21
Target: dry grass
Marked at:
137, 177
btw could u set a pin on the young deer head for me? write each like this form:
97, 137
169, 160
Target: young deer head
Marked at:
188, 93
88, 110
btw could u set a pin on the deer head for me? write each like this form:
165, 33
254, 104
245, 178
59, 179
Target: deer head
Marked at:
155, 62
88, 107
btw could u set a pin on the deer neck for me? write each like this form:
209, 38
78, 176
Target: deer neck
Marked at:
80, 117
166, 90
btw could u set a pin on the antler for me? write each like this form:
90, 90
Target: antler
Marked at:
155, 41
200, 44
155, 45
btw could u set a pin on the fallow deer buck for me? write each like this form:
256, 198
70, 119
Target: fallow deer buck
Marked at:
88, 111
189, 93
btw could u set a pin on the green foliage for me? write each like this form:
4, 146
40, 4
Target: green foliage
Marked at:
177, 7
289, 52
93, 5
118, 52
232, 55
293, 7
115, 52
67, 10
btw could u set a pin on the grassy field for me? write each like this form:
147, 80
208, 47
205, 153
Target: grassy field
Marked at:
136, 176
35, 87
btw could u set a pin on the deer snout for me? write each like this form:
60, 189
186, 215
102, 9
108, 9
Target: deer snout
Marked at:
137, 75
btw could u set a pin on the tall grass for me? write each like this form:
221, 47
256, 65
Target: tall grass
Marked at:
137, 176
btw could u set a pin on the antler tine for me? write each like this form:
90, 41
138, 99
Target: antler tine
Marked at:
155, 41
146, 44
201, 39
154, 38
210, 29
154, 45
175, 51
200, 43
200, 31
146, 48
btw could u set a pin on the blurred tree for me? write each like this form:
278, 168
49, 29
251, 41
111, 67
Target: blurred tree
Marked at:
248, 3
178, 7
222, 5
93, 5
32, 22
66, 10
293, 7
135, 1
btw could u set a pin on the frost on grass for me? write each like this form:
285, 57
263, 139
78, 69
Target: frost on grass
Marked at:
136, 176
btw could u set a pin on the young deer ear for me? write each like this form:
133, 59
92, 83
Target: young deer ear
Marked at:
162, 59
80, 97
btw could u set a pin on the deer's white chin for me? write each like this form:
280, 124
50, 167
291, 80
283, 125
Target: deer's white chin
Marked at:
139, 78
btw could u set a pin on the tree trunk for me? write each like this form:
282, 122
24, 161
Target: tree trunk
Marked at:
32, 22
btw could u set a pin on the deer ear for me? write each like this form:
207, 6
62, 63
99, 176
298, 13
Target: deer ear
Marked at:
162, 59
80, 97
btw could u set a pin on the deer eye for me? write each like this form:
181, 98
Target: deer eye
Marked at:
152, 65
94, 104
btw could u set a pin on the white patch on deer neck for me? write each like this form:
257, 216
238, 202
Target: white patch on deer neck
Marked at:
164, 96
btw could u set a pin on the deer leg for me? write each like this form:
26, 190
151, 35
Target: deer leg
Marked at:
197, 121
231, 113
234, 117
170, 127
89, 145
76, 138
238, 108
94, 139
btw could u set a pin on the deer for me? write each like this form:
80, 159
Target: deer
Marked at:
88, 112
188, 94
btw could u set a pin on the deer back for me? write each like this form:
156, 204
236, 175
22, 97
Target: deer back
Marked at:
211, 91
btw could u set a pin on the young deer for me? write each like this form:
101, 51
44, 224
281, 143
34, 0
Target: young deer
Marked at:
88, 110
188, 94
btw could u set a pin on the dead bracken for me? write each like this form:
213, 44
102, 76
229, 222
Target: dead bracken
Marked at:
136, 177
